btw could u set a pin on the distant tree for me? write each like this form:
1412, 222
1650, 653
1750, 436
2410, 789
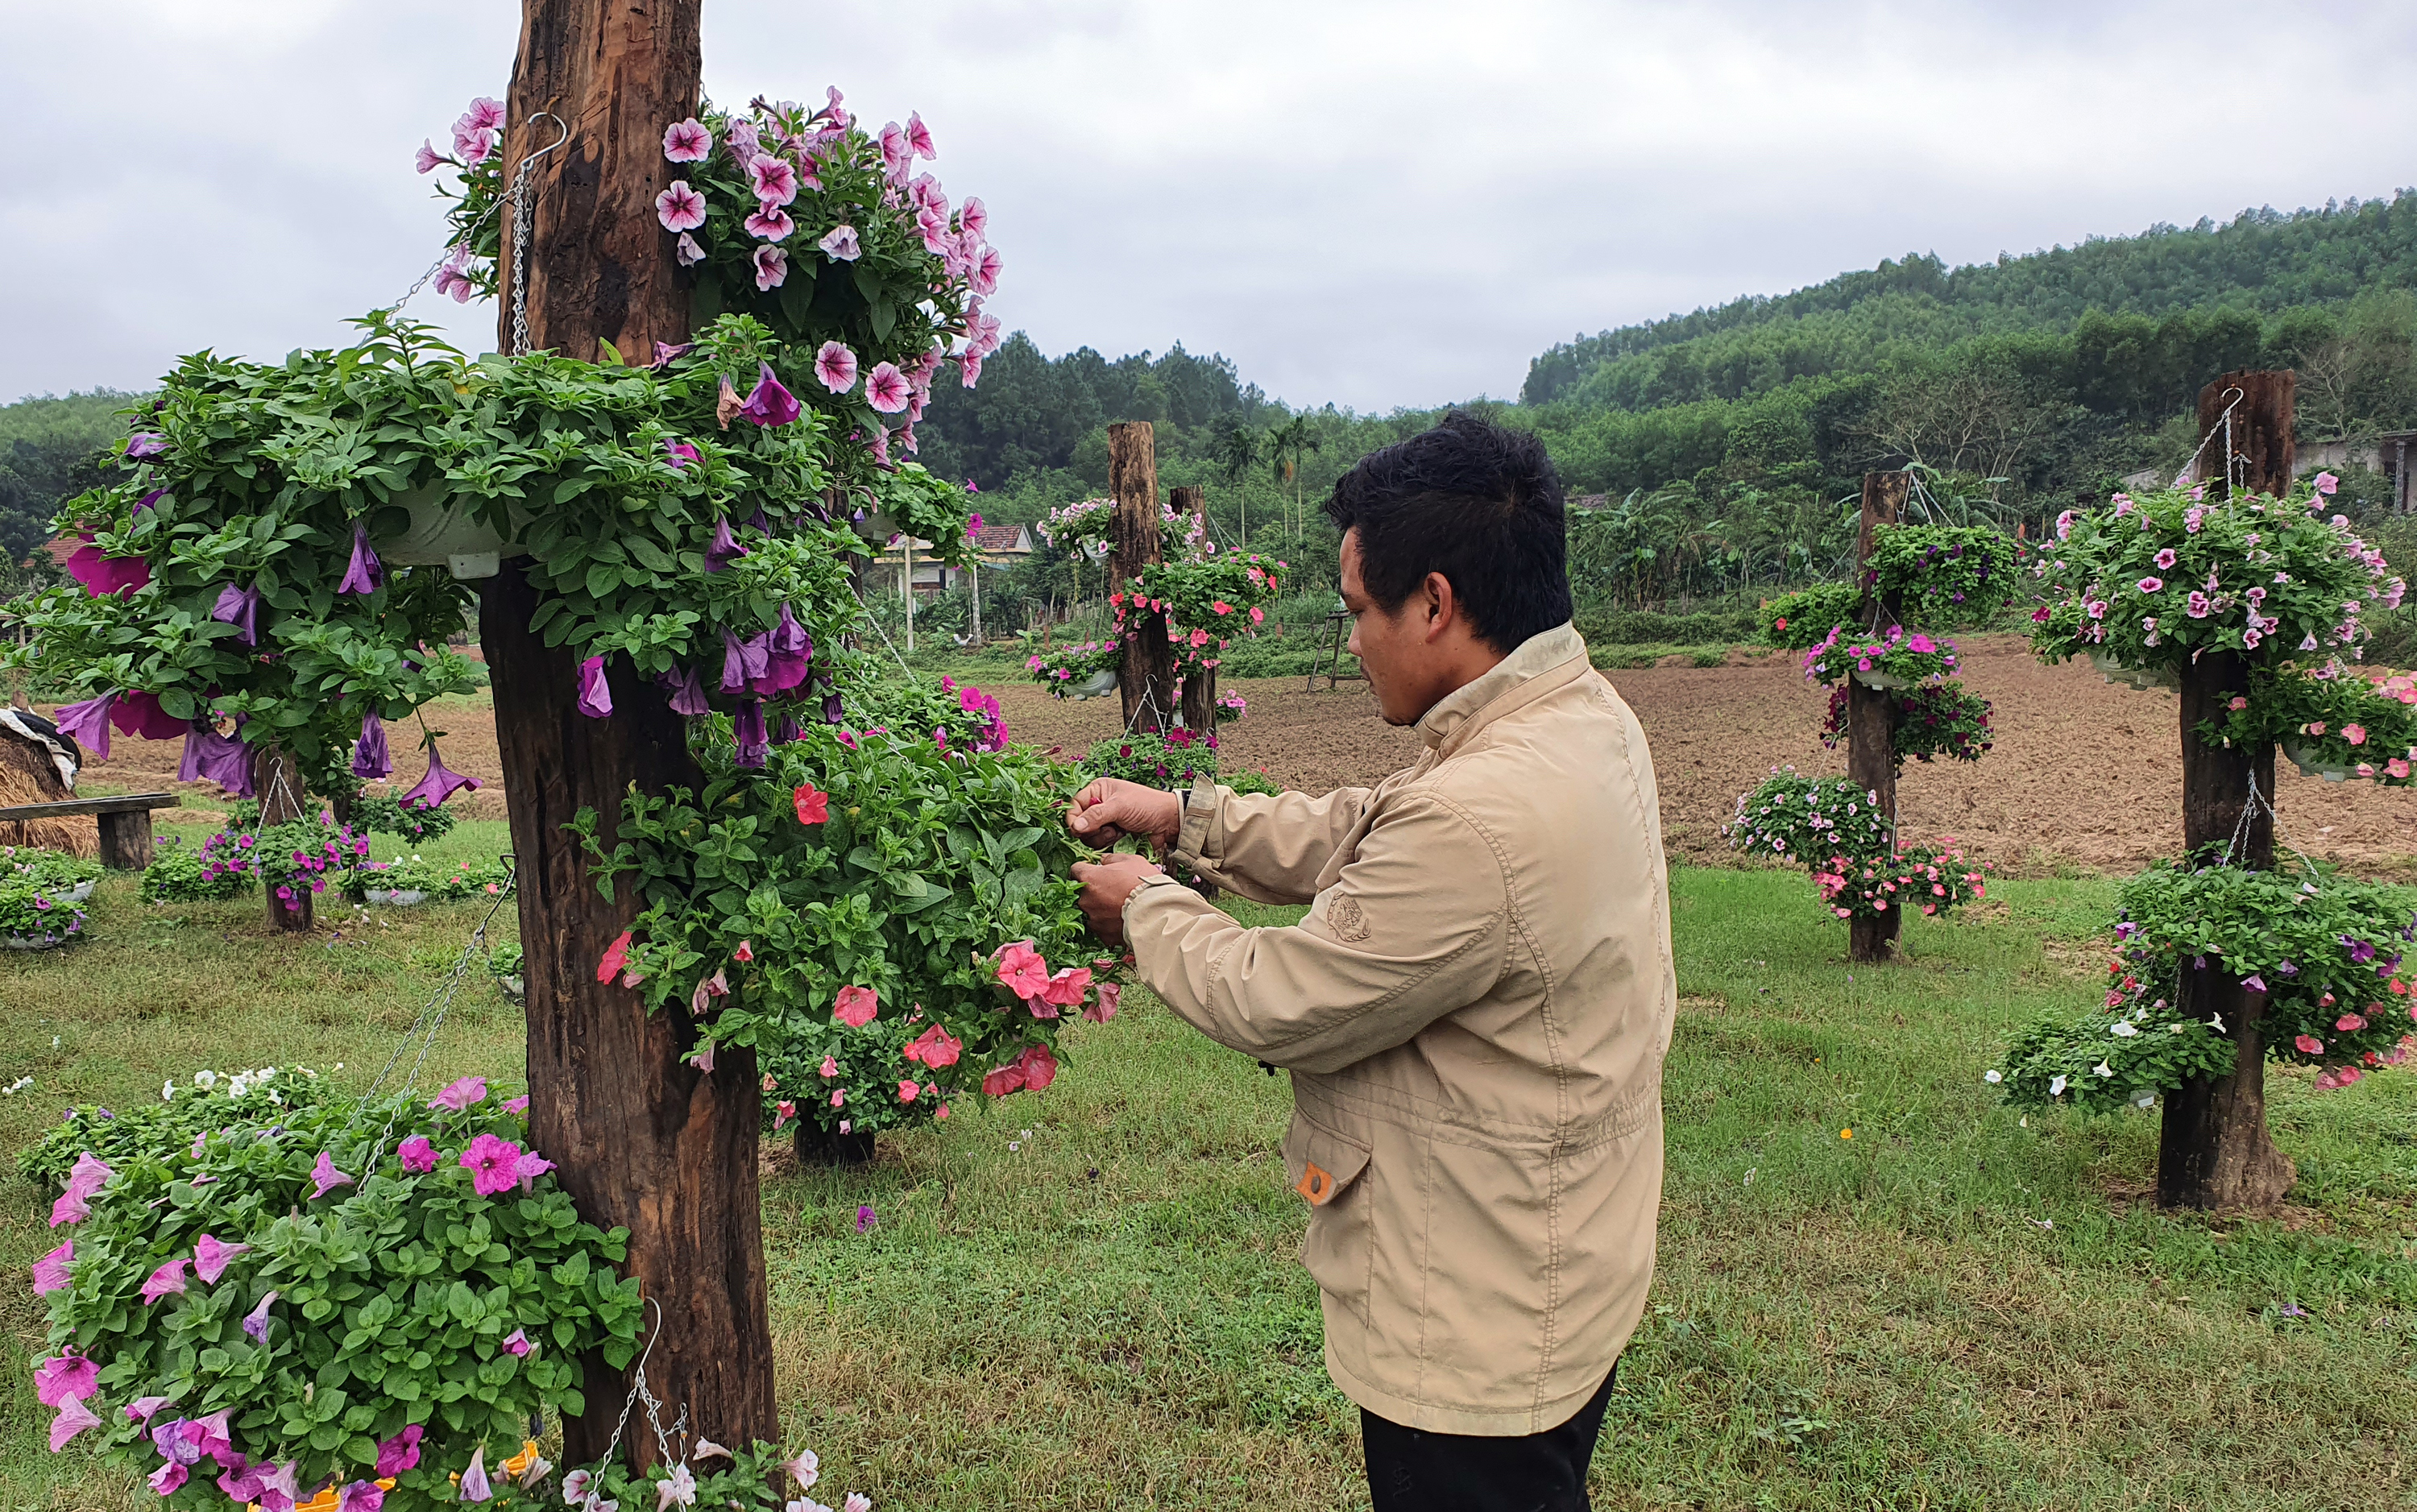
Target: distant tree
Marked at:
1288, 446
1235, 450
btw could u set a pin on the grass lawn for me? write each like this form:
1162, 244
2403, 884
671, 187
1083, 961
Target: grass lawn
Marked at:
1087, 1298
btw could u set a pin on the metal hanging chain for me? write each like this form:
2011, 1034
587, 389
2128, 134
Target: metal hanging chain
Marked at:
519, 197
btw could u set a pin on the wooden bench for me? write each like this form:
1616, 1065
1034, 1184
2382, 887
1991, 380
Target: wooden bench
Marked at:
125, 824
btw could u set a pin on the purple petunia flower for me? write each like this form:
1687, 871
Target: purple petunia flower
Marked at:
769, 403
687, 690
747, 726
595, 693
743, 662
789, 651
240, 608
438, 784
370, 758
87, 724
145, 445
724, 548
364, 573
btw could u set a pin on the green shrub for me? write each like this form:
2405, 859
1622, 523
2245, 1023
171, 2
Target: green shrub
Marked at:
1639, 626
178, 875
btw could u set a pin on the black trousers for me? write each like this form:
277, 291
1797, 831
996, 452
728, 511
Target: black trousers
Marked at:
1411, 1470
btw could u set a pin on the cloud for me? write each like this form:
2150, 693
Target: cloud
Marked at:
1375, 204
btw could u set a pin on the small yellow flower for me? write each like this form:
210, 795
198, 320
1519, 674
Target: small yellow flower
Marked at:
1845, 1133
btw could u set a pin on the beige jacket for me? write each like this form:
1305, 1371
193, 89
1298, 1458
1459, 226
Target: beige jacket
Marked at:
1475, 1013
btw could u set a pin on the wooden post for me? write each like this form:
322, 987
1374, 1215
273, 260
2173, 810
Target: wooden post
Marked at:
1871, 712
278, 782
2214, 1150
1200, 683
126, 844
1146, 682
642, 1138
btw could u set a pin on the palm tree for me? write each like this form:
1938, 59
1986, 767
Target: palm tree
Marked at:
1287, 444
1237, 449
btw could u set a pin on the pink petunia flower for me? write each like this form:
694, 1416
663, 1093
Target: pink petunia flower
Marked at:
886, 388
1020, 969
2309, 1045
51, 1271
679, 207
419, 1155
2151, 584
918, 136
169, 1277
688, 252
908, 1091
973, 216
771, 267
770, 223
493, 1164
325, 1178
516, 1343
841, 245
835, 365
73, 1418
461, 1095
2354, 734
773, 179
426, 160
211, 1257
1105, 1007
856, 1006
65, 1378
2327, 483
687, 142
829, 1066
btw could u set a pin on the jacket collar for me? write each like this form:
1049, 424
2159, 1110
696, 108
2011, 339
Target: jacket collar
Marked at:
1542, 663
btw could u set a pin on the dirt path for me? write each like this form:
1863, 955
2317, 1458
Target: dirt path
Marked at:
2084, 773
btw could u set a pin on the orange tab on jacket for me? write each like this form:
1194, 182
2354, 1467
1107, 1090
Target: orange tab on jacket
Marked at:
1315, 1185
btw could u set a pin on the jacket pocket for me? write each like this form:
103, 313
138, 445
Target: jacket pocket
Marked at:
1330, 1173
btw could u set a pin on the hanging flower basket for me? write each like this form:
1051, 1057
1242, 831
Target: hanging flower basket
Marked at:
2313, 763
2142, 678
20, 942
1883, 680
443, 531
393, 897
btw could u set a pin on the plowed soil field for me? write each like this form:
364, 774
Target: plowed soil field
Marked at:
2084, 775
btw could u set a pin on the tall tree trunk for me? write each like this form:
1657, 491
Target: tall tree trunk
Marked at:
2214, 1150
1200, 683
642, 1138
1871, 712
1146, 682
283, 798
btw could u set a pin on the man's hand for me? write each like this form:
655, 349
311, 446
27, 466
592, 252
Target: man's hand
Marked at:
1110, 808
1105, 887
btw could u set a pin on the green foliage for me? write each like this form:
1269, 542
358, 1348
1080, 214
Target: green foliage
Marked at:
383, 814
1942, 718
873, 861
398, 1296
264, 477
2153, 582
178, 875
39, 912
1943, 575
443, 881
53, 869
1174, 760
2330, 718
2325, 950
203, 1103
1806, 820
1801, 620
1633, 627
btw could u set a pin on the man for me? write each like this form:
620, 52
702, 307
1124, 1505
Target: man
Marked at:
1474, 1011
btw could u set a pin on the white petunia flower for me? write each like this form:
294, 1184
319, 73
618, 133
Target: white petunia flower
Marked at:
2055, 1088
1993, 1077
2103, 1069
2124, 1029
205, 1080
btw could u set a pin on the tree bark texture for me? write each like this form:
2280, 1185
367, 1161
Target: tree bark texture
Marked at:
2214, 1150
1871, 712
600, 265
2262, 444
277, 779
641, 1138
1199, 695
1146, 682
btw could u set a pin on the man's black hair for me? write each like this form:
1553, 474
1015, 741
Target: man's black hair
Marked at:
1479, 502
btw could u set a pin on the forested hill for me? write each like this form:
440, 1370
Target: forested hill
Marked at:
2261, 262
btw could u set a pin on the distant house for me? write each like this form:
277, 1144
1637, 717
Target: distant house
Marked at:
998, 547
1582, 502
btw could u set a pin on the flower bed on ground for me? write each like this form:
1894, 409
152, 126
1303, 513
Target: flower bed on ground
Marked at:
440, 881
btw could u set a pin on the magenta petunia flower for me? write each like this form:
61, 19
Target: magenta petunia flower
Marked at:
325, 1178
789, 650
453, 277
744, 142
145, 445
364, 1496
103, 575
687, 142
769, 403
773, 179
688, 253
770, 223
51, 1271
476, 146
426, 160
169, 1277
918, 136
211, 1257
679, 207
985, 274
400, 1452
724, 549
835, 365
516, 1342
484, 115
841, 245
771, 267
364, 573
2151, 584
73, 1418
595, 692
65, 1378
438, 784
531, 1165
240, 608
418, 1155
679, 454
461, 1095
973, 216
492, 1163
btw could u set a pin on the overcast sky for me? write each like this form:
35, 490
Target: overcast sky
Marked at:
1376, 203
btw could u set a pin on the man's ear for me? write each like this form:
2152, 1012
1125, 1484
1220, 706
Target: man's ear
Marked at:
1441, 610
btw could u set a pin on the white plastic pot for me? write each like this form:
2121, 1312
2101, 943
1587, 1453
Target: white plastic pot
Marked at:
443, 533
2139, 677
1098, 685
1882, 680
76, 894
22, 942
393, 897
2312, 764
